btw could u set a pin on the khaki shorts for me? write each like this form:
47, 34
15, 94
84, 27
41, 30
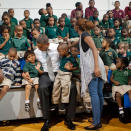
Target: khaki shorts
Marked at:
120, 89
35, 81
20, 54
6, 82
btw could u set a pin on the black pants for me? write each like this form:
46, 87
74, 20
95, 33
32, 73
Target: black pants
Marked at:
45, 94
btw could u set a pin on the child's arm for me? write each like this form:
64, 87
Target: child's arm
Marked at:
67, 36
6, 40
39, 68
115, 82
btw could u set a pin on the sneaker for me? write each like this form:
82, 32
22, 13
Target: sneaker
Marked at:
27, 107
62, 108
38, 105
53, 107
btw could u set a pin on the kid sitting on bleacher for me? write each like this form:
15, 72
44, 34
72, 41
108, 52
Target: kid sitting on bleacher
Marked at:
5, 42
10, 68
62, 31
32, 69
121, 79
108, 55
20, 42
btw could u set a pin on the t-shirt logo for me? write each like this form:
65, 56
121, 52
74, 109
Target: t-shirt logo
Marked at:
110, 53
126, 73
120, 13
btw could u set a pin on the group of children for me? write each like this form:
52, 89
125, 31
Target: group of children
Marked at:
18, 41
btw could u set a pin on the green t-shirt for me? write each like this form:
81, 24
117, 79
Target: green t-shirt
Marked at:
29, 22
67, 22
65, 60
76, 72
98, 41
26, 32
108, 57
34, 42
51, 32
111, 22
30, 68
21, 44
42, 30
43, 20
63, 33
14, 20
6, 48
104, 24
72, 32
121, 76
125, 40
118, 32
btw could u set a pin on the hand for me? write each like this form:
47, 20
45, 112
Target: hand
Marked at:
38, 66
97, 72
7, 37
30, 80
68, 66
116, 83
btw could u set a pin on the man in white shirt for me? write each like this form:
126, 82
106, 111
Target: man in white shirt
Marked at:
48, 55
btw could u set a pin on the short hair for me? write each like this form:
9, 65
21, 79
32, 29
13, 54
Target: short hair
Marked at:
77, 4
91, 0
20, 22
63, 46
27, 11
36, 28
40, 11
109, 41
4, 27
12, 50
36, 19
117, 1
17, 26
5, 14
48, 5
27, 53
42, 39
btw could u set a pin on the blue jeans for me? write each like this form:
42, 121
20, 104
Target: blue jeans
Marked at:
97, 100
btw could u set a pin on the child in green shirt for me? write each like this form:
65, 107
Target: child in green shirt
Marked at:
32, 69
51, 31
73, 35
7, 21
117, 27
28, 20
108, 55
36, 24
42, 13
13, 19
5, 41
98, 38
121, 79
20, 42
111, 19
62, 31
67, 20
124, 36
94, 17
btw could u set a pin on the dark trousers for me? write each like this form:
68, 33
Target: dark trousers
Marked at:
45, 94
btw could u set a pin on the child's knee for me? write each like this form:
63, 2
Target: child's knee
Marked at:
28, 87
5, 89
118, 95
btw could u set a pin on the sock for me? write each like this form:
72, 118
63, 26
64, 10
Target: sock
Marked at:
27, 101
38, 100
121, 110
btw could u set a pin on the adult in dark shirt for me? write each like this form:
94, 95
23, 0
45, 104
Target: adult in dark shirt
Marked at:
128, 11
78, 8
90, 10
92, 71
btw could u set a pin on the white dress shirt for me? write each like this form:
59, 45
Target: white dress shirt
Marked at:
53, 54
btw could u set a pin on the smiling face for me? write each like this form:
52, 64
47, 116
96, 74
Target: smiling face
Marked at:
5, 32
31, 58
35, 34
19, 31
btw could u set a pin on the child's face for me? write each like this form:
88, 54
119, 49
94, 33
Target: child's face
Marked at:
49, 10
51, 21
121, 50
12, 55
105, 18
35, 34
73, 22
118, 63
104, 44
111, 33
31, 58
110, 14
74, 51
11, 13
97, 31
62, 52
5, 33
124, 33
116, 23
44, 11
91, 4
117, 4
36, 23
23, 24
62, 22
19, 31
6, 20
26, 14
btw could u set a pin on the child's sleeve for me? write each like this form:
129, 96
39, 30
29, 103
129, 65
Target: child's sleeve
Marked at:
18, 75
28, 44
